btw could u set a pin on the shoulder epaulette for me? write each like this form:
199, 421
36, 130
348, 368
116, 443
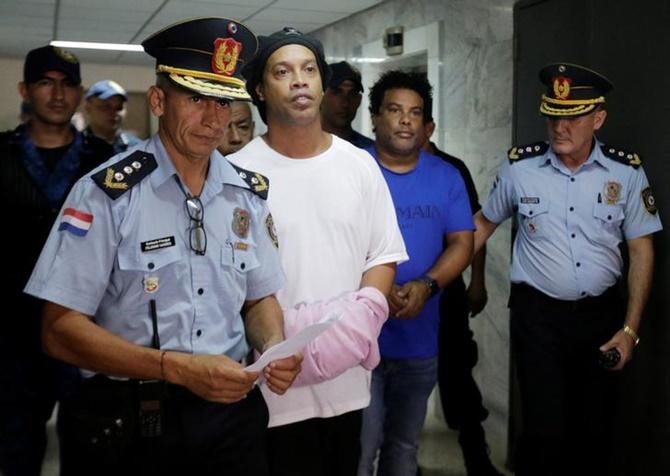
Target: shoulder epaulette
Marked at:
621, 156
516, 154
259, 184
121, 176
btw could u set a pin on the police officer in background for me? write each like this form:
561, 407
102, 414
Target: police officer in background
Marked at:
105, 107
40, 161
575, 200
154, 258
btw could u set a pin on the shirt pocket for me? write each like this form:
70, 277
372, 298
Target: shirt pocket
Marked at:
534, 220
145, 276
608, 222
239, 257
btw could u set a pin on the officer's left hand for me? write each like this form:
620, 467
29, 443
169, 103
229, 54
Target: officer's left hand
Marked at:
415, 294
624, 344
280, 374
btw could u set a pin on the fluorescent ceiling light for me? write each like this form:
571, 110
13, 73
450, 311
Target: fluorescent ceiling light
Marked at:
89, 45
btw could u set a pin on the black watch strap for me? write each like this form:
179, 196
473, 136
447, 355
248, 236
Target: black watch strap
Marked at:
431, 283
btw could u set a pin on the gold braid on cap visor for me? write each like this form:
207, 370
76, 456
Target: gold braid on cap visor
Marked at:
581, 106
216, 85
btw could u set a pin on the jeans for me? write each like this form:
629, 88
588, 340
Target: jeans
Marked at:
393, 421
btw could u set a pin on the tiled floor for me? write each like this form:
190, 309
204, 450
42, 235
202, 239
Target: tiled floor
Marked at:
439, 453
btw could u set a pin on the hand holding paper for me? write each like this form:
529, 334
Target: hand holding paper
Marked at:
293, 344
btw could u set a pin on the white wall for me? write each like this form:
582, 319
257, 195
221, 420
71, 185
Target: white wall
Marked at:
132, 78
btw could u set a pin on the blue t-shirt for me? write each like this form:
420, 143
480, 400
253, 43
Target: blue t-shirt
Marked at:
430, 201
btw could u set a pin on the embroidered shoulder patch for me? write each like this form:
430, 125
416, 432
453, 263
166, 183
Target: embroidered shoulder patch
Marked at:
649, 201
120, 177
516, 154
621, 156
259, 184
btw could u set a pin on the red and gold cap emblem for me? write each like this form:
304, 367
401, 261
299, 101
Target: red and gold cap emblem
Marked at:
225, 56
562, 87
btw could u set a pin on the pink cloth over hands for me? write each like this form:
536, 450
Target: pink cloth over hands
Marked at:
351, 341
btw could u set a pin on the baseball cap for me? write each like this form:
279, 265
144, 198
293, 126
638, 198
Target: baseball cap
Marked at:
105, 89
50, 58
343, 71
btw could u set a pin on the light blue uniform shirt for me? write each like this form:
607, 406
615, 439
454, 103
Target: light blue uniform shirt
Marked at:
136, 248
571, 223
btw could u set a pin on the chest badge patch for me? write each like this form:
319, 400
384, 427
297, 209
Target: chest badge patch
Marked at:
241, 222
612, 192
151, 284
649, 201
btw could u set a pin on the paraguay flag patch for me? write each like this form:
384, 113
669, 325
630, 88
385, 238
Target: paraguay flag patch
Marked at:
75, 222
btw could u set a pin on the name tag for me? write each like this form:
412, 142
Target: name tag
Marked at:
157, 244
534, 200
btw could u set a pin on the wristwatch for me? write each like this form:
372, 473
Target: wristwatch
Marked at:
433, 288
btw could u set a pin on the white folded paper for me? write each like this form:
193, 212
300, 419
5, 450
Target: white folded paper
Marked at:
293, 344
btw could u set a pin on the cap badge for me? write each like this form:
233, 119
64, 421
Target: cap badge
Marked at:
226, 53
66, 55
561, 87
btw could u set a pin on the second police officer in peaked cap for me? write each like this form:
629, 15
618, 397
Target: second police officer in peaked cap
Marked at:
575, 200
155, 258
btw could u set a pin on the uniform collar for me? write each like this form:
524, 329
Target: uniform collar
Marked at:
595, 157
220, 171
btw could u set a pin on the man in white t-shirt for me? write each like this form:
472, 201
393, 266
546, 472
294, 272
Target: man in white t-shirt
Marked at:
337, 232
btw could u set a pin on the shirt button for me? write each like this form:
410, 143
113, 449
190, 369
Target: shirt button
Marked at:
572, 179
201, 291
578, 264
583, 293
572, 209
199, 333
150, 266
242, 266
609, 217
573, 235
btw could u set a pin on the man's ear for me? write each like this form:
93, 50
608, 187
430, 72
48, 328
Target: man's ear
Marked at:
429, 129
259, 92
599, 119
156, 98
23, 90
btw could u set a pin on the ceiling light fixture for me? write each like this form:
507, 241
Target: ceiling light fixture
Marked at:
89, 45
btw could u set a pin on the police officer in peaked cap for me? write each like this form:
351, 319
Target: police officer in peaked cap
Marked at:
159, 279
575, 200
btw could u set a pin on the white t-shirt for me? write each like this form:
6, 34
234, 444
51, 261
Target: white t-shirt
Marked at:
335, 219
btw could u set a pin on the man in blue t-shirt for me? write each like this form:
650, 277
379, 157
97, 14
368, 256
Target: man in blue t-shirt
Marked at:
432, 206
